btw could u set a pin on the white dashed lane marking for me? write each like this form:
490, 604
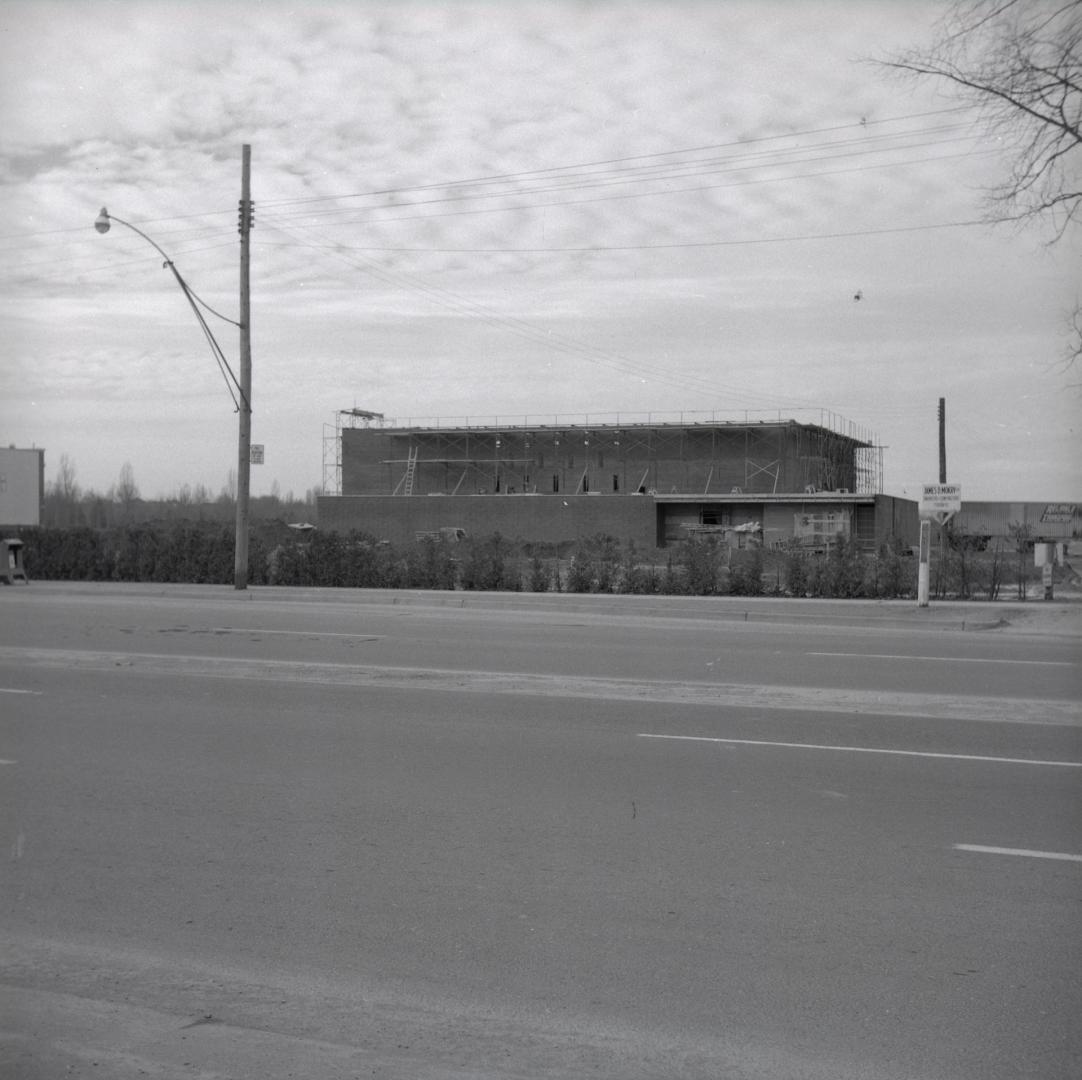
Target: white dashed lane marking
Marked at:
942, 659
863, 750
1028, 853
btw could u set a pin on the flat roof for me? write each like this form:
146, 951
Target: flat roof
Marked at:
452, 428
864, 498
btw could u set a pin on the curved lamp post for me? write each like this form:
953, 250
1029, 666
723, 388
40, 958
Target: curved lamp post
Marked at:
244, 384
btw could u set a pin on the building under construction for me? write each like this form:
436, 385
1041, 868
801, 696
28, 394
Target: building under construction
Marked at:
654, 481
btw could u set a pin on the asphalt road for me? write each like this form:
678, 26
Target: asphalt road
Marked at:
300, 834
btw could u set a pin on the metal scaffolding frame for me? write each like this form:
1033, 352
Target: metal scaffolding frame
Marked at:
704, 457
332, 444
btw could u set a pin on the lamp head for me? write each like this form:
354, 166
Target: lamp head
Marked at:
101, 222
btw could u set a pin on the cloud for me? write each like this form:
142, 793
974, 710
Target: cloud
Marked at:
749, 126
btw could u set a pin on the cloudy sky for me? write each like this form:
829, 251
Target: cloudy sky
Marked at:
514, 210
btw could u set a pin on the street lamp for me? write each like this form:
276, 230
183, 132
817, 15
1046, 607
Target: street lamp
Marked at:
243, 386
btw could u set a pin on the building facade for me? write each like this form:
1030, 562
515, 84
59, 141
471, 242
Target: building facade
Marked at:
776, 483
22, 485
1041, 522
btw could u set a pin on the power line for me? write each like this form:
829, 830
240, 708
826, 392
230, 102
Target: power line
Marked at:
66, 269
549, 171
727, 167
557, 342
598, 248
503, 177
205, 231
617, 197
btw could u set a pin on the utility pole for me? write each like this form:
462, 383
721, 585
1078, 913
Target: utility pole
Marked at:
942, 440
942, 479
244, 440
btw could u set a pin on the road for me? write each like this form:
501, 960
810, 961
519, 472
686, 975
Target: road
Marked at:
333, 834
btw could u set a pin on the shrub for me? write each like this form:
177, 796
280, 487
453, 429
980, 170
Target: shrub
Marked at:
894, 576
844, 573
702, 562
594, 565
746, 573
485, 565
796, 573
429, 565
636, 576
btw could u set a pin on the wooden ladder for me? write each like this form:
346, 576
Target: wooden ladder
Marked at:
411, 470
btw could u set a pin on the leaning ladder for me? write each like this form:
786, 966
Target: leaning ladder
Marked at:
411, 469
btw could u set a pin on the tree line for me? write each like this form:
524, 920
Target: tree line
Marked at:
66, 504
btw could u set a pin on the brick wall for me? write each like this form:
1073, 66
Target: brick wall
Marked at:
538, 518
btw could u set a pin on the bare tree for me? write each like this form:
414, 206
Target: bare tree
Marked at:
126, 491
1020, 63
62, 507
1021, 534
228, 493
65, 486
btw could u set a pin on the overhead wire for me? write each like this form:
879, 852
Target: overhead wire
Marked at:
650, 171
502, 177
549, 203
624, 181
567, 170
195, 303
676, 245
557, 342
66, 270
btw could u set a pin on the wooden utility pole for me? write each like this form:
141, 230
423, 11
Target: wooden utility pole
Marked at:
244, 440
941, 572
942, 440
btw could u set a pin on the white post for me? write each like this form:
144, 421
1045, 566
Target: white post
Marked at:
922, 566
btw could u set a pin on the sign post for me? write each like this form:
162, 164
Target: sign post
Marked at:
939, 502
922, 565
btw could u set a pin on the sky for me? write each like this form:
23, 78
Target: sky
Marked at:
515, 211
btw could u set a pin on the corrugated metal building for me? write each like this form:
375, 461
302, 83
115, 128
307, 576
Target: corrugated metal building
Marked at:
1042, 521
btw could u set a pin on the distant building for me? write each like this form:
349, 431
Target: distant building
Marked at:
22, 486
779, 482
1040, 522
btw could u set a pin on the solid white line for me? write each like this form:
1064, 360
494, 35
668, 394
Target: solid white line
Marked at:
5, 690
943, 659
865, 750
288, 633
1063, 856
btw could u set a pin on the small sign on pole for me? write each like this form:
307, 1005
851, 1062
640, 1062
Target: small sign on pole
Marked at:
940, 502
257, 454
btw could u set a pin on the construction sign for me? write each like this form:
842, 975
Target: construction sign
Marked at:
940, 501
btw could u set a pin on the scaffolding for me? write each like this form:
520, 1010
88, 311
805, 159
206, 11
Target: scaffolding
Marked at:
690, 453
332, 444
